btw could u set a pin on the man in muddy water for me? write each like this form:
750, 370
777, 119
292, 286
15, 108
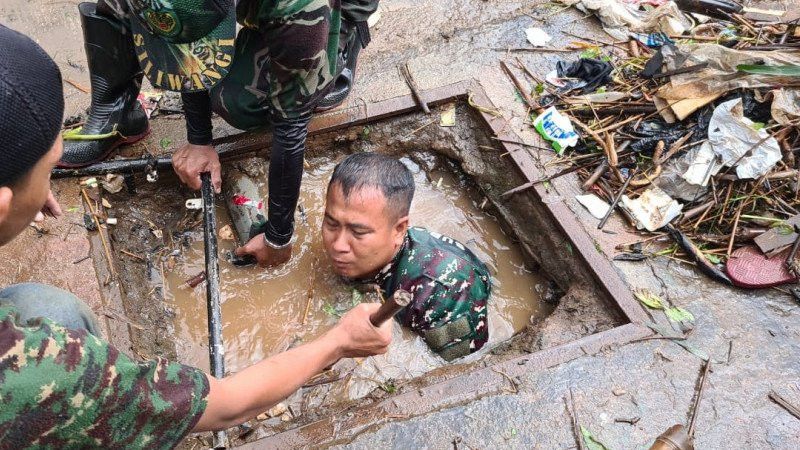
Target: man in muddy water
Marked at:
291, 58
367, 237
61, 384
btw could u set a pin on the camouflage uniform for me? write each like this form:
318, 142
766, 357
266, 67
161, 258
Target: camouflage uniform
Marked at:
284, 63
62, 388
285, 58
450, 288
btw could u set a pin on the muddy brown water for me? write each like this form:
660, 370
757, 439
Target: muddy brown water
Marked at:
263, 310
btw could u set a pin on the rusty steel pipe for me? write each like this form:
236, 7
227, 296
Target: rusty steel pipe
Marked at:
390, 307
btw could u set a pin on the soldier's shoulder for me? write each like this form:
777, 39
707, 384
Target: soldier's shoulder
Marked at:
443, 258
438, 246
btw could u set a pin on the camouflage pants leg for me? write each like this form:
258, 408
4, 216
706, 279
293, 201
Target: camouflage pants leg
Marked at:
281, 69
242, 97
34, 300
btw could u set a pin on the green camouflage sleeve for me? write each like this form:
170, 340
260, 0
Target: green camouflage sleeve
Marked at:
67, 388
449, 302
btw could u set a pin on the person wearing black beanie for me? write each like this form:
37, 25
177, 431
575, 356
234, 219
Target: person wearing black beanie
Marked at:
31, 112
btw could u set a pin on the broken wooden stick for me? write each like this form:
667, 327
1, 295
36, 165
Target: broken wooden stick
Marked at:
404, 70
526, 97
699, 398
598, 172
791, 409
106, 248
576, 428
390, 307
616, 200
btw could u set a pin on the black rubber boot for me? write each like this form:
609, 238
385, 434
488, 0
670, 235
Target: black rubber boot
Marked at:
353, 37
115, 117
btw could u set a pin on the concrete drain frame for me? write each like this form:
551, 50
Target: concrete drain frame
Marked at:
345, 425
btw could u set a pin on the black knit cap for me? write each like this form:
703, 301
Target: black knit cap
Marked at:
31, 104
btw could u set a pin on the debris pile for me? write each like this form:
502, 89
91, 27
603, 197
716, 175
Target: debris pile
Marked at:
687, 121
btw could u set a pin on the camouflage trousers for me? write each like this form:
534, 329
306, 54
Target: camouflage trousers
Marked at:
34, 300
285, 58
284, 65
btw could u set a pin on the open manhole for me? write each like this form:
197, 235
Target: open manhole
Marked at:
553, 290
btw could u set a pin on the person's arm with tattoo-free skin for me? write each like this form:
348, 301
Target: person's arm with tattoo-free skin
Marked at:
237, 398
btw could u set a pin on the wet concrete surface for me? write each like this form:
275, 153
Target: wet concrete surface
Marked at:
449, 41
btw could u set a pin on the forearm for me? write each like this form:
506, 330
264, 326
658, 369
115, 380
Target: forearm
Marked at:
285, 176
197, 111
237, 398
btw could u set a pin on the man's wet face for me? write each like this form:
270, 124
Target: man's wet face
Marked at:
360, 235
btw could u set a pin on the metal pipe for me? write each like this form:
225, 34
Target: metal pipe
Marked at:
117, 166
390, 307
215, 349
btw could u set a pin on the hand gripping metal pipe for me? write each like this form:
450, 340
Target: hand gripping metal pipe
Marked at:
215, 349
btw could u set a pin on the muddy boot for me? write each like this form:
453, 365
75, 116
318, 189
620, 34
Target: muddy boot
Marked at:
353, 37
115, 117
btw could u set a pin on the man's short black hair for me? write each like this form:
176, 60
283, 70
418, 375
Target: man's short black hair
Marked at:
31, 105
368, 169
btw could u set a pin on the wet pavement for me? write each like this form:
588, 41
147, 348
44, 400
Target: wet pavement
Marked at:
752, 336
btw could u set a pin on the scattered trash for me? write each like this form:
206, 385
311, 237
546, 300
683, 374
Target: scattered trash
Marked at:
278, 410
194, 203
149, 101
448, 117
653, 209
749, 268
596, 206
591, 73
196, 280
89, 223
780, 236
786, 106
111, 221
738, 143
226, 233
620, 18
693, 126
653, 40
112, 183
557, 129
537, 37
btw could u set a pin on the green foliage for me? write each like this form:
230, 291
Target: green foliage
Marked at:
677, 314
165, 143
789, 70
590, 441
389, 387
591, 53
648, 299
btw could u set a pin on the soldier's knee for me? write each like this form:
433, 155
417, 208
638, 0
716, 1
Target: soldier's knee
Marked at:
34, 300
238, 108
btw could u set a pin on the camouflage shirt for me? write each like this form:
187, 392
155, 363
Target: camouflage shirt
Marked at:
62, 388
450, 288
